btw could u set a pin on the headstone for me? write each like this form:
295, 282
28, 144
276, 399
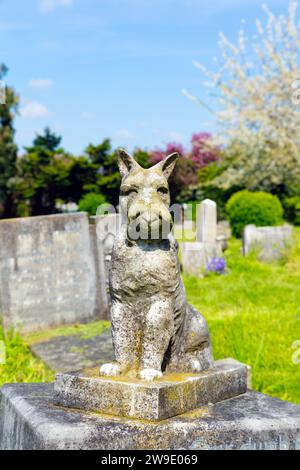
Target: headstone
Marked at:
270, 243
207, 221
48, 272
195, 256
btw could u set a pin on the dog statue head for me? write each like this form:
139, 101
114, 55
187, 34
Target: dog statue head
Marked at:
145, 197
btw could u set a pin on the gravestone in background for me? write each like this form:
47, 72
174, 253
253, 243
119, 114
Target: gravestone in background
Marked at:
207, 222
195, 256
48, 272
270, 243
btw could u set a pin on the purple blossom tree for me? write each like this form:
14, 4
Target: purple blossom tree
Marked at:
203, 153
185, 177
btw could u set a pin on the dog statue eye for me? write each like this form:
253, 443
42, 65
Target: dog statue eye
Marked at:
128, 191
162, 190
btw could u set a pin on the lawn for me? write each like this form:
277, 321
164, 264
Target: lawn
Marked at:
253, 314
22, 366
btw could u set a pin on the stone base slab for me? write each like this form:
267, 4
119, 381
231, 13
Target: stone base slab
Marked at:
172, 395
29, 421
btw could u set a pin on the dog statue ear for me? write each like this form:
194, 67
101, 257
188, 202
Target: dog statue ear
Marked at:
126, 162
168, 164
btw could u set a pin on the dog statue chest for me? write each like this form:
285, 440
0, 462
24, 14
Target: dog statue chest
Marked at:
149, 267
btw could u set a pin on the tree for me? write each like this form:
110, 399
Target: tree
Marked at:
90, 203
42, 176
259, 122
49, 141
142, 157
82, 179
203, 153
105, 172
107, 178
8, 149
184, 177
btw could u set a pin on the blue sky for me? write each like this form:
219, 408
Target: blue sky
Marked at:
115, 68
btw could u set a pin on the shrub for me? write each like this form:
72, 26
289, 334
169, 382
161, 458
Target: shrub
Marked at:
261, 209
90, 203
292, 209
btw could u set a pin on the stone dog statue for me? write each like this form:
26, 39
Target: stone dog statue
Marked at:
153, 328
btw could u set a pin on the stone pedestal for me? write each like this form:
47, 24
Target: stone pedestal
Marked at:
172, 395
30, 420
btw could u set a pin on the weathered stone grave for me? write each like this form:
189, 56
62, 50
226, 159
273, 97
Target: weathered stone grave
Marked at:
195, 256
47, 272
269, 243
53, 270
163, 390
207, 221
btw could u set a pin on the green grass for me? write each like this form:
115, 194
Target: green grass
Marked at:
86, 331
253, 314
22, 366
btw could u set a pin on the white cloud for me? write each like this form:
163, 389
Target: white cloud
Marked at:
124, 134
40, 83
49, 5
34, 110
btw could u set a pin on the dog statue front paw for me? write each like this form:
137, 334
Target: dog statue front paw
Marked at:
112, 369
150, 374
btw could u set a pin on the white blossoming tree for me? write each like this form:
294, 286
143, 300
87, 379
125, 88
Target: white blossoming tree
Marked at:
258, 102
